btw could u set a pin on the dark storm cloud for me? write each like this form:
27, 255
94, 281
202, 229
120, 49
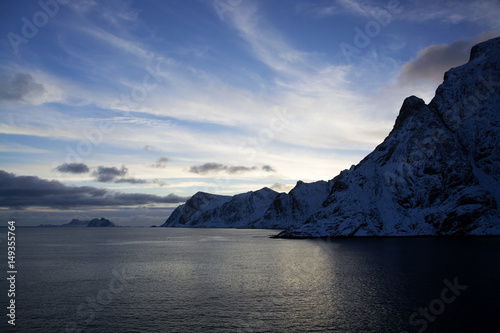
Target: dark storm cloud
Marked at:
109, 174
19, 87
31, 191
76, 168
435, 60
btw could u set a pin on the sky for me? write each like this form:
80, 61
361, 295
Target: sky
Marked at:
124, 109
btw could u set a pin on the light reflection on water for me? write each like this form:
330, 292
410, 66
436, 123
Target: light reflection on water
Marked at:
221, 280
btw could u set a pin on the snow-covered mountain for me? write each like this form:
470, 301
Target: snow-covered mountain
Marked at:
264, 208
436, 173
190, 214
289, 209
206, 210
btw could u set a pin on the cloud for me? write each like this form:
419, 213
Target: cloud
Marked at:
112, 174
130, 181
240, 169
316, 11
19, 88
109, 174
75, 168
432, 62
159, 182
161, 163
268, 168
342, 8
113, 12
481, 12
217, 167
338, 115
208, 168
132, 47
280, 187
355, 7
20, 148
268, 45
163, 160
31, 191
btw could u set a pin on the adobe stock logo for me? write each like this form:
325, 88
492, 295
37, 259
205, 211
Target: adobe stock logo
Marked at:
423, 316
373, 28
29, 29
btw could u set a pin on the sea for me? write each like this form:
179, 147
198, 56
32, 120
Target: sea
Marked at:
235, 280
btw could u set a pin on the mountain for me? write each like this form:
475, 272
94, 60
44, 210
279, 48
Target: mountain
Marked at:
264, 209
75, 223
216, 211
437, 172
294, 207
100, 223
190, 213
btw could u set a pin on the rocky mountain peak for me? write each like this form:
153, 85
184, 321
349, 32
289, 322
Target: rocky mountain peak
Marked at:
436, 173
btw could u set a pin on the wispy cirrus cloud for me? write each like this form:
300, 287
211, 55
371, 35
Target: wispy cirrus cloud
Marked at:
340, 7
268, 45
316, 92
113, 12
129, 46
357, 7
482, 12
19, 148
317, 12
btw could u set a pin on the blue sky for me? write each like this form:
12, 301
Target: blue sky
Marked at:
160, 99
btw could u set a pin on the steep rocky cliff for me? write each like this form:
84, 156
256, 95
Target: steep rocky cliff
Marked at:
437, 173
206, 210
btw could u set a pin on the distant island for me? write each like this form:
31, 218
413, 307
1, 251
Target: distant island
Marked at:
75, 223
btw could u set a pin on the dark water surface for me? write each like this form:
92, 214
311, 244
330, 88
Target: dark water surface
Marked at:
222, 280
